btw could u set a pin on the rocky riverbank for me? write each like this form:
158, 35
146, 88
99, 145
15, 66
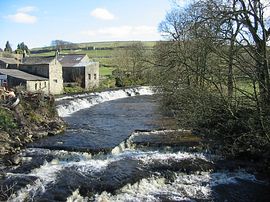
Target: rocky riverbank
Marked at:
35, 117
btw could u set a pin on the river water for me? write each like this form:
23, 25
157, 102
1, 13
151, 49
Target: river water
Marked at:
99, 158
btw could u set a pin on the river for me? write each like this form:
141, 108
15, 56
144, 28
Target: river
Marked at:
116, 148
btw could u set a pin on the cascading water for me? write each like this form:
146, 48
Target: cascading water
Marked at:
112, 151
78, 102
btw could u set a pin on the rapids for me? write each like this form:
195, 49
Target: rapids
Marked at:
117, 148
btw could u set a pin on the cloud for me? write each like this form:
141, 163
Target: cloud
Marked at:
22, 18
26, 9
102, 14
124, 32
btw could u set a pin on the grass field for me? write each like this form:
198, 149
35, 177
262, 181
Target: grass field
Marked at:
107, 44
106, 71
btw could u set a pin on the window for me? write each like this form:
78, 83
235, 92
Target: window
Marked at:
55, 80
35, 86
89, 76
39, 85
45, 84
95, 76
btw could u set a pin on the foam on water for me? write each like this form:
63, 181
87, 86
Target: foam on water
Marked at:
84, 101
46, 174
61, 155
76, 197
180, 187
156, 132
184, 187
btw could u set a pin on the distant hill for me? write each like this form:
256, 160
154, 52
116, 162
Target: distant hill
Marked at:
97, 45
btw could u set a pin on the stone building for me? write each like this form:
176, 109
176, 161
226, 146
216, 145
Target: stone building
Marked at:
31, 83
48, 67
9, 63
78, 68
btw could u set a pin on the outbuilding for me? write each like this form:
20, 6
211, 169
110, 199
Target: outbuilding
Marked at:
78, 68
9, 63
47, 67
31, 83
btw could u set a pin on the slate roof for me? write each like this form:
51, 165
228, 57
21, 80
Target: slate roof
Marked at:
37, 60
21, 75
9, 60
71, 60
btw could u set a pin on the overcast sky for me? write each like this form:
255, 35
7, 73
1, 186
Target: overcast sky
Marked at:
38, 22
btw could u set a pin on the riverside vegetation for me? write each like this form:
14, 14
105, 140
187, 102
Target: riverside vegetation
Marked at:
213, 74
35, 117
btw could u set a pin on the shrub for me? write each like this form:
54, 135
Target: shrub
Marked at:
6, 120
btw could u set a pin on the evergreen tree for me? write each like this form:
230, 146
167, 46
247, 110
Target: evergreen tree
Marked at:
8, 48
21, 47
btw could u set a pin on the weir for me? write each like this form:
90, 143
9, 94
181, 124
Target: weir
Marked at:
79, 102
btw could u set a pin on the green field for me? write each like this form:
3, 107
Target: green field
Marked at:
107, 44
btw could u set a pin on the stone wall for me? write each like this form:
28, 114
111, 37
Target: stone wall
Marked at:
31, 86
36, 69
92, 75
52, 71
37, 86
56, 78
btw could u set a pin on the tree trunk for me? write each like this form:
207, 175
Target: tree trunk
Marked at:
230, 70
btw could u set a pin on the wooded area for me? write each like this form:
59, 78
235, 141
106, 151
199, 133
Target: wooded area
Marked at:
214, 72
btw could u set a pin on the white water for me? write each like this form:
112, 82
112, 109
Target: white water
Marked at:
47, 173
184, 187
84, 101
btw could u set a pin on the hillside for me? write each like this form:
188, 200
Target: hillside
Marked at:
101, 52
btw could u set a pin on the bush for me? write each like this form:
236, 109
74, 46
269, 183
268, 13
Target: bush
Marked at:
235, 128
6, 120
73, 89
128, 81
109, 82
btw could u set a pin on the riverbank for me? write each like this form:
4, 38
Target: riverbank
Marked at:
34, 118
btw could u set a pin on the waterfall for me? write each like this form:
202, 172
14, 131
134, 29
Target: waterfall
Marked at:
77, 102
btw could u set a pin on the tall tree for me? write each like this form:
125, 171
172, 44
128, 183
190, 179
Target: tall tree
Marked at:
8, 48
21, 48
131, 59
214, 69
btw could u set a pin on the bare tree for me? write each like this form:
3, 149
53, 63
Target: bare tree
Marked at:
214, 68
